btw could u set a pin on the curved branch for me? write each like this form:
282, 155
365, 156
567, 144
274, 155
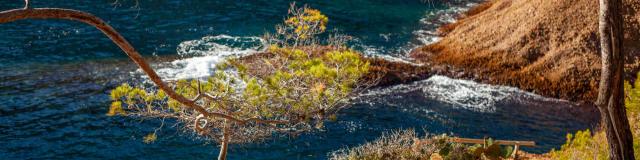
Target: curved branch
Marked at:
74, 15
26, 4
197, 126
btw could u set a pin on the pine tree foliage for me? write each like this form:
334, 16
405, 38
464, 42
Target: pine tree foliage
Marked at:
298, 92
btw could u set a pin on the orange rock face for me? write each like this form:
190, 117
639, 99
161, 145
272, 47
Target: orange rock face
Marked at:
549, 47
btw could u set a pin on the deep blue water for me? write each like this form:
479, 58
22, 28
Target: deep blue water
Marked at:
55, 77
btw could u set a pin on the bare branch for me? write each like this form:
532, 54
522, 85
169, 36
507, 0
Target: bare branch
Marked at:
26, 4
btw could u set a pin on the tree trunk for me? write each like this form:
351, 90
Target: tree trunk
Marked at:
611, 91
225, 142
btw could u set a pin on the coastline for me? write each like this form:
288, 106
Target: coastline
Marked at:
525, 45
569, 72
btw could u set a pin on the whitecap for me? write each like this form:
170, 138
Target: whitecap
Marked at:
220, 45
433, 19
200, 57
463, 94
378, 52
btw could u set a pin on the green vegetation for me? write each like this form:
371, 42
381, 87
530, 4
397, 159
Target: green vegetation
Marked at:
406, 145
300, 29
296, 89
588, 145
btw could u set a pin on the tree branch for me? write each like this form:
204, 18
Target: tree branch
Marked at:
129, 50
26, 4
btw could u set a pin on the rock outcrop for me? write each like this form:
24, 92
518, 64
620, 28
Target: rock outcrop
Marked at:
549, 47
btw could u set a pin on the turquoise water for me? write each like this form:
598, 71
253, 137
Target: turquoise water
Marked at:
55, 77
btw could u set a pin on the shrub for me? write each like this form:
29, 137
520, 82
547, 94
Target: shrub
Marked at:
406, 145
583, 145
397, 145
588, 145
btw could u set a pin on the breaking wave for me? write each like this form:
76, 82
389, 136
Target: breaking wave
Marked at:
435, 18
462, 94
200, 57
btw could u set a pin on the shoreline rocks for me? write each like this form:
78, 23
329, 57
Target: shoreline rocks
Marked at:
550, 48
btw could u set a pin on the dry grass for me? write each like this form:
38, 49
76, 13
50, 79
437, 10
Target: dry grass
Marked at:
398, 145
406, 145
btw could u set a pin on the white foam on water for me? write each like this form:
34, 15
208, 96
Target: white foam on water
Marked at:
392, 58
220, 45
378, 52
462, 94
434, 19
195, 67
200, 57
